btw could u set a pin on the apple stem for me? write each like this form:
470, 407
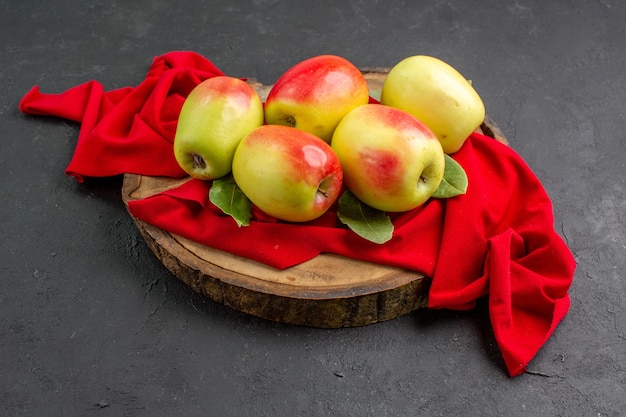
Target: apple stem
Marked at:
198, 161
423, 179
291, 121
322, 192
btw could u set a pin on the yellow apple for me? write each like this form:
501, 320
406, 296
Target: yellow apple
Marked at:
391, 161
438, 95
315, 94
214, 118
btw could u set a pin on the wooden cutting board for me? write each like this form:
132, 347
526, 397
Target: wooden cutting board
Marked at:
328, 291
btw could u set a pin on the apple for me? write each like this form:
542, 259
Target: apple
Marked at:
287, 173
438, 95
215, 116
315, 94
391, 161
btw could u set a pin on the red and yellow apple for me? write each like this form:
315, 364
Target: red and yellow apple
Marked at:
215, 116
436, 94
289, 174
315, 94
391, 161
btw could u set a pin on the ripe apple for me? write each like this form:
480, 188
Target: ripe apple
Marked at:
215, 116
287, 173
315, 94
438, 95
391, 161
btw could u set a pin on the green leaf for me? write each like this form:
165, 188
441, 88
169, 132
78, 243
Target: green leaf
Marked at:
375, 94
454, 180
367, 222
226, 195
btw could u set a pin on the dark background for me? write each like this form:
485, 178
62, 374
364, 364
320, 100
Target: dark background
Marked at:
91, 324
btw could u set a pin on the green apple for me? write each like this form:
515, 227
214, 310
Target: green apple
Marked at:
214, 118
287, 173
315, 94
391, 161
438, 95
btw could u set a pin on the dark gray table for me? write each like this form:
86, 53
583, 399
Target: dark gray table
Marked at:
91, 324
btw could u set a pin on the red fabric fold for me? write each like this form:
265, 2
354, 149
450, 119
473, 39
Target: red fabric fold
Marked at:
131, 129
497, 240
187, 211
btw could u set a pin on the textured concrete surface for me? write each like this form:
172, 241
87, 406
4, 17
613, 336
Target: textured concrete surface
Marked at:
92, 325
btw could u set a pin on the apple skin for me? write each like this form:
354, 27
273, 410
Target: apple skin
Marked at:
215, 116
315, 94
438, 95
391, 161
289, 174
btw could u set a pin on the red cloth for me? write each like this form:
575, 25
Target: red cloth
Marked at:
128, 130
496, 240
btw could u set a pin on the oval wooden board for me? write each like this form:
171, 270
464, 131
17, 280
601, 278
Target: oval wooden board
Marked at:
328, 291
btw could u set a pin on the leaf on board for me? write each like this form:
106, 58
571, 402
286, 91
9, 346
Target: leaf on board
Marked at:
454, 180
226, 194
367, 222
